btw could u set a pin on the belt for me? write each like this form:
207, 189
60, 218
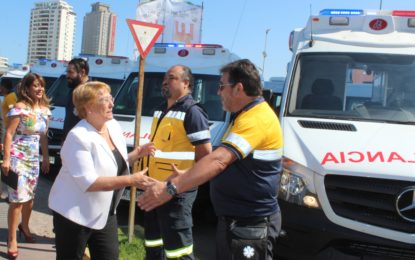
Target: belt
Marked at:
246, 220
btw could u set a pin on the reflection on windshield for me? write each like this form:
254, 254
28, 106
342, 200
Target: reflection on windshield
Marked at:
372, 87
204, 91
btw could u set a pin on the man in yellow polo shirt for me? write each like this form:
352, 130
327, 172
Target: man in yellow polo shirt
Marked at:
244, 171
10, 98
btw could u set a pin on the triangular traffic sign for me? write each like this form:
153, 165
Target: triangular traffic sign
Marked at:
145, 34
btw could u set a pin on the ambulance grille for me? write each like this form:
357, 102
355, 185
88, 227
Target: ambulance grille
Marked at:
327, 125
368, 200
381, 252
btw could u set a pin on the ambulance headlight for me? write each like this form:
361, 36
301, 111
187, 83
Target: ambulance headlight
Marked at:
293, 186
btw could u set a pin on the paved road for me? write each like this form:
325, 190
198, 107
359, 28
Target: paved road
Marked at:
41, 227
40, 224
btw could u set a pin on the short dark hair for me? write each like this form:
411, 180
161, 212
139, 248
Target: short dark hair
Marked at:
7, 84
80, 64
187, 75
245, 72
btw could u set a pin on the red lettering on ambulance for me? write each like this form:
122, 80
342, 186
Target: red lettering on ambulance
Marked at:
329, 157
394, 156
359, 158
342, 157
379, 155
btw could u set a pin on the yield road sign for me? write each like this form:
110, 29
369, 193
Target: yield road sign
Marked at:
145, 35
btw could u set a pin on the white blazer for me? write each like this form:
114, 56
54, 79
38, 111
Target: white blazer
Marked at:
85, 157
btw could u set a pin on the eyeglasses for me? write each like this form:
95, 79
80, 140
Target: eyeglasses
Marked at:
222, 86
107, 99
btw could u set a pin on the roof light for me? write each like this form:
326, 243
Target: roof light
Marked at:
208, 51
53, 65
291, 41
341, 12
99, 61
339, 20
182, 45
403, 13
159, 50
115, 61
411, 22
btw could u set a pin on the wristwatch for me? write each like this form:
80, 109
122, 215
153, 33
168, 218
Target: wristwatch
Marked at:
171, 188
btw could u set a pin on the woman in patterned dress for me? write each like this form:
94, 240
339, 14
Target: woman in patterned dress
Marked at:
27, 127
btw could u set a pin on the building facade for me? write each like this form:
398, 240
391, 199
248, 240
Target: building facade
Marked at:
52, 31
98, 36
4, 65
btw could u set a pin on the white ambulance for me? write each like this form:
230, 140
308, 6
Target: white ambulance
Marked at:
50, 70
16, 73
205, 61
112, 70
348, 116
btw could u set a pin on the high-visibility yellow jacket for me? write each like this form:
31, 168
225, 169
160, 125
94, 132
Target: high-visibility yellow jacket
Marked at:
173, 143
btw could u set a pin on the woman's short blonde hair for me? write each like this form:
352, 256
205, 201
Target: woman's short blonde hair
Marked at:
87, 93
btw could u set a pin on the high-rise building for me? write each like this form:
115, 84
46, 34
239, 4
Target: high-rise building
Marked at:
52, 31
4, 65
98, 36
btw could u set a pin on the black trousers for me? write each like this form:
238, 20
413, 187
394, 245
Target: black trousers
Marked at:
71, 239
172, 223
224, 250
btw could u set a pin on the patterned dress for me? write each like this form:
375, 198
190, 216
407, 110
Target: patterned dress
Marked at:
24, 151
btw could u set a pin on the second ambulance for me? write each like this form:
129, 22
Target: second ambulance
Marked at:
348, 116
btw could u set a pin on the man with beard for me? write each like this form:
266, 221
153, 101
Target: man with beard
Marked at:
76, 74
180, 133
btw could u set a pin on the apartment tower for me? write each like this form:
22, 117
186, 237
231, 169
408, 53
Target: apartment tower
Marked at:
98, 36
52, 31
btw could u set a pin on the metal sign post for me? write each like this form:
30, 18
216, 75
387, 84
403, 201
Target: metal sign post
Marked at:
145, 35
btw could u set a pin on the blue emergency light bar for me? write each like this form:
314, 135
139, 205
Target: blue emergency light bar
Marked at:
182, 45
341, 12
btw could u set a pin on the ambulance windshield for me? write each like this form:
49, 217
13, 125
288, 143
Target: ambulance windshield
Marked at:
204, 91
361, 86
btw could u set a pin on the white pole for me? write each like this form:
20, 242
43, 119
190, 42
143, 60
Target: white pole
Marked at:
264, 53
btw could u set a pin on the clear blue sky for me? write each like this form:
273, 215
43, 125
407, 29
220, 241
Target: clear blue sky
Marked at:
238, 25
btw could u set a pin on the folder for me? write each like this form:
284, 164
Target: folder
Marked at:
11, 179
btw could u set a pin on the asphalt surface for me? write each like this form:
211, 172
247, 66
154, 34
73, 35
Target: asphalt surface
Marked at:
41, 227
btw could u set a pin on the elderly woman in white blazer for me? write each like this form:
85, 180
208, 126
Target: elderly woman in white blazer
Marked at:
94, 173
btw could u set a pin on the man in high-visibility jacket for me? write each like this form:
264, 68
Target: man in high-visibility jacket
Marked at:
244, 171
180, 133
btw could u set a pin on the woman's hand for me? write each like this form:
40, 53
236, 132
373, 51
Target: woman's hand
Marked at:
141, 180
5, 167
45, 165
146, 149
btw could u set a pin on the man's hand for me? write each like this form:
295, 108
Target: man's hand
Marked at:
154, 196
176, 172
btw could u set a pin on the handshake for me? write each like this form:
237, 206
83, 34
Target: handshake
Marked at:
155, 192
